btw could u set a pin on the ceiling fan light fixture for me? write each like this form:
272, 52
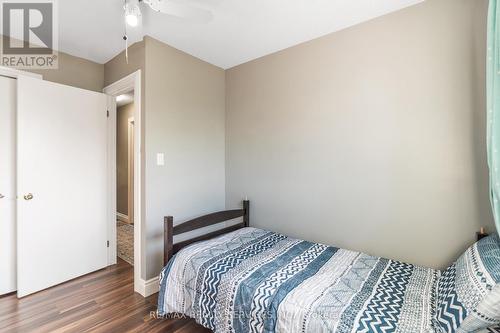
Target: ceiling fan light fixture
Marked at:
132, 13
132, 20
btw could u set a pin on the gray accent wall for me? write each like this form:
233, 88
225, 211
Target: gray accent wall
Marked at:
371, 138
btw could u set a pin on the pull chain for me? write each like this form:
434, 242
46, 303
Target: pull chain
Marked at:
125, 37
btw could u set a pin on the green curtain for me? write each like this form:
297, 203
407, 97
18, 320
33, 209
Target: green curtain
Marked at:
493, 109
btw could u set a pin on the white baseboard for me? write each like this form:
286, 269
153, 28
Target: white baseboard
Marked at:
149, 287
122, 217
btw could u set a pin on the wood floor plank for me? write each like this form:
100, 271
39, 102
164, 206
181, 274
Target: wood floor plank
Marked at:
103, 301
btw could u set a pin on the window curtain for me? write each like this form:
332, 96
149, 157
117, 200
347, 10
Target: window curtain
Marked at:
493, 106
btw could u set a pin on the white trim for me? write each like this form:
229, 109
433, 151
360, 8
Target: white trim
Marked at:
128, 83
124, 85
130, 165
111, 149
149, 287
15, 73
122, 217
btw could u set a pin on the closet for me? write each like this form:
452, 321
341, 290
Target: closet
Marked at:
7, 185
55, 138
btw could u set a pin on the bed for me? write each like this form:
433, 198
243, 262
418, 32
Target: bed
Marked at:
243, 279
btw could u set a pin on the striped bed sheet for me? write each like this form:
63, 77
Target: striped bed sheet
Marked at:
253, 280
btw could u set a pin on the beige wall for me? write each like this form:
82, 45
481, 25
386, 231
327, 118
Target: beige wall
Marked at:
183, 117
185, 111
371, 138
117, 68
122, 126
76, 72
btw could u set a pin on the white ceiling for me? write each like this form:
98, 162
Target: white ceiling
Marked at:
241, 30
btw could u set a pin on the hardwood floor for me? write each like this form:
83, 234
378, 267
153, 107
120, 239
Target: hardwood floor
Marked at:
103, 301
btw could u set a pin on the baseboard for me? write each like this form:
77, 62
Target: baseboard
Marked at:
121, 217
149, 287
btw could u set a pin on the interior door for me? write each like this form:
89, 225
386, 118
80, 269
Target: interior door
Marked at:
7, 185
62, 184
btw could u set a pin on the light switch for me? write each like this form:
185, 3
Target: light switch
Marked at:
160, 159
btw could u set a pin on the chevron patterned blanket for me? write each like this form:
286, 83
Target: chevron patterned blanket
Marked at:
253, 280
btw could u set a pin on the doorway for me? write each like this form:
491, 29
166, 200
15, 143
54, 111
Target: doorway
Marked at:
125, 176
129, 84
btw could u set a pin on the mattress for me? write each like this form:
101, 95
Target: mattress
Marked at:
253, 280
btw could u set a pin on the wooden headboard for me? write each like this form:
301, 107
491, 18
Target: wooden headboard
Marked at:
200, 222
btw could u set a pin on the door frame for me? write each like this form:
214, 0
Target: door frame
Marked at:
15, 73
131, 168
124, 85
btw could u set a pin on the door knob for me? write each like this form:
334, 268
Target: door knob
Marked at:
2, 196
28, 196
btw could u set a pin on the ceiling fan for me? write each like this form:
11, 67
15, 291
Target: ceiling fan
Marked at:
176, 8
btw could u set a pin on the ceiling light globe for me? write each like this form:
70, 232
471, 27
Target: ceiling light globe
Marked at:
132, 20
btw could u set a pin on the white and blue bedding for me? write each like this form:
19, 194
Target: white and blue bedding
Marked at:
253, 280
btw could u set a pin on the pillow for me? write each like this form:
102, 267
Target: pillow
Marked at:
468, 292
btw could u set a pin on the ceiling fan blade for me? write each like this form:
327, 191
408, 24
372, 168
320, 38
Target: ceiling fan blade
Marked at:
201, 3
180, 10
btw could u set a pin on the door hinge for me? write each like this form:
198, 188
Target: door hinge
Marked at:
107, 113
107, 243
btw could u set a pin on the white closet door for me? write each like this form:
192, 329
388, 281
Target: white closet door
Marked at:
7, 185
62, 184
